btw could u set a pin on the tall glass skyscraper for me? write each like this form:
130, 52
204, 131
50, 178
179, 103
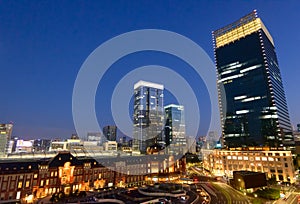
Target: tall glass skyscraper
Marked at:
148, 115
175, 129
251, 96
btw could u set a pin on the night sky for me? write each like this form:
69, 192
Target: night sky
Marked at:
44, 43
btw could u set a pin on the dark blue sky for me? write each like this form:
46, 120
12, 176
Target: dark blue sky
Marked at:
44, 43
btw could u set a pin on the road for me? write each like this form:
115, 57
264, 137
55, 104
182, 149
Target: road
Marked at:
221, 193
199, 171
292, 198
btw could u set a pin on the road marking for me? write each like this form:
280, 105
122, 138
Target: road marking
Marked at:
296, 196
208, 190
225, 193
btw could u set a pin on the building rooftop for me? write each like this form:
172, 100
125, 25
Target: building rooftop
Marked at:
239, 29
148, 84
181, 107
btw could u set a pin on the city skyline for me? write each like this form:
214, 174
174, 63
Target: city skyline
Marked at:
150, 102
41, 55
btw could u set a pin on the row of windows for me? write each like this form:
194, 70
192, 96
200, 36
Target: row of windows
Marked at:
15, 177
12, 185
15, 168
246, 158
254, 153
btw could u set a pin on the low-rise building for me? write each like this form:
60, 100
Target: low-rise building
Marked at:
31, 178
110, 146
69, 144
278, 163
248, 180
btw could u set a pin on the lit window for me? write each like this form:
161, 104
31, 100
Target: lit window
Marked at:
18, 195
27, 184
20, 184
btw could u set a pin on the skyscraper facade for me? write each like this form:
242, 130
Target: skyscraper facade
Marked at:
110, 132
5, 137
175, 137
148, 116
251, 96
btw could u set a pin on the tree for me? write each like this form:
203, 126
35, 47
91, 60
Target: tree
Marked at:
272, 180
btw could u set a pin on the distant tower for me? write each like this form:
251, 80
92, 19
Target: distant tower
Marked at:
74, 137
211, 139
175, 129
110, 132
252, 104
5, 137
148, 116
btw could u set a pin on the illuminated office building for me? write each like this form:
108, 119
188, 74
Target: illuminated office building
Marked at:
5, 137
273, 163
110, 132
175, 129
252, 104
148, 116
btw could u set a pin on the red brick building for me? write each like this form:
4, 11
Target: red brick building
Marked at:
29, 179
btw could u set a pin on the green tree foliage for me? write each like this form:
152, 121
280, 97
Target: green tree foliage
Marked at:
269, 193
